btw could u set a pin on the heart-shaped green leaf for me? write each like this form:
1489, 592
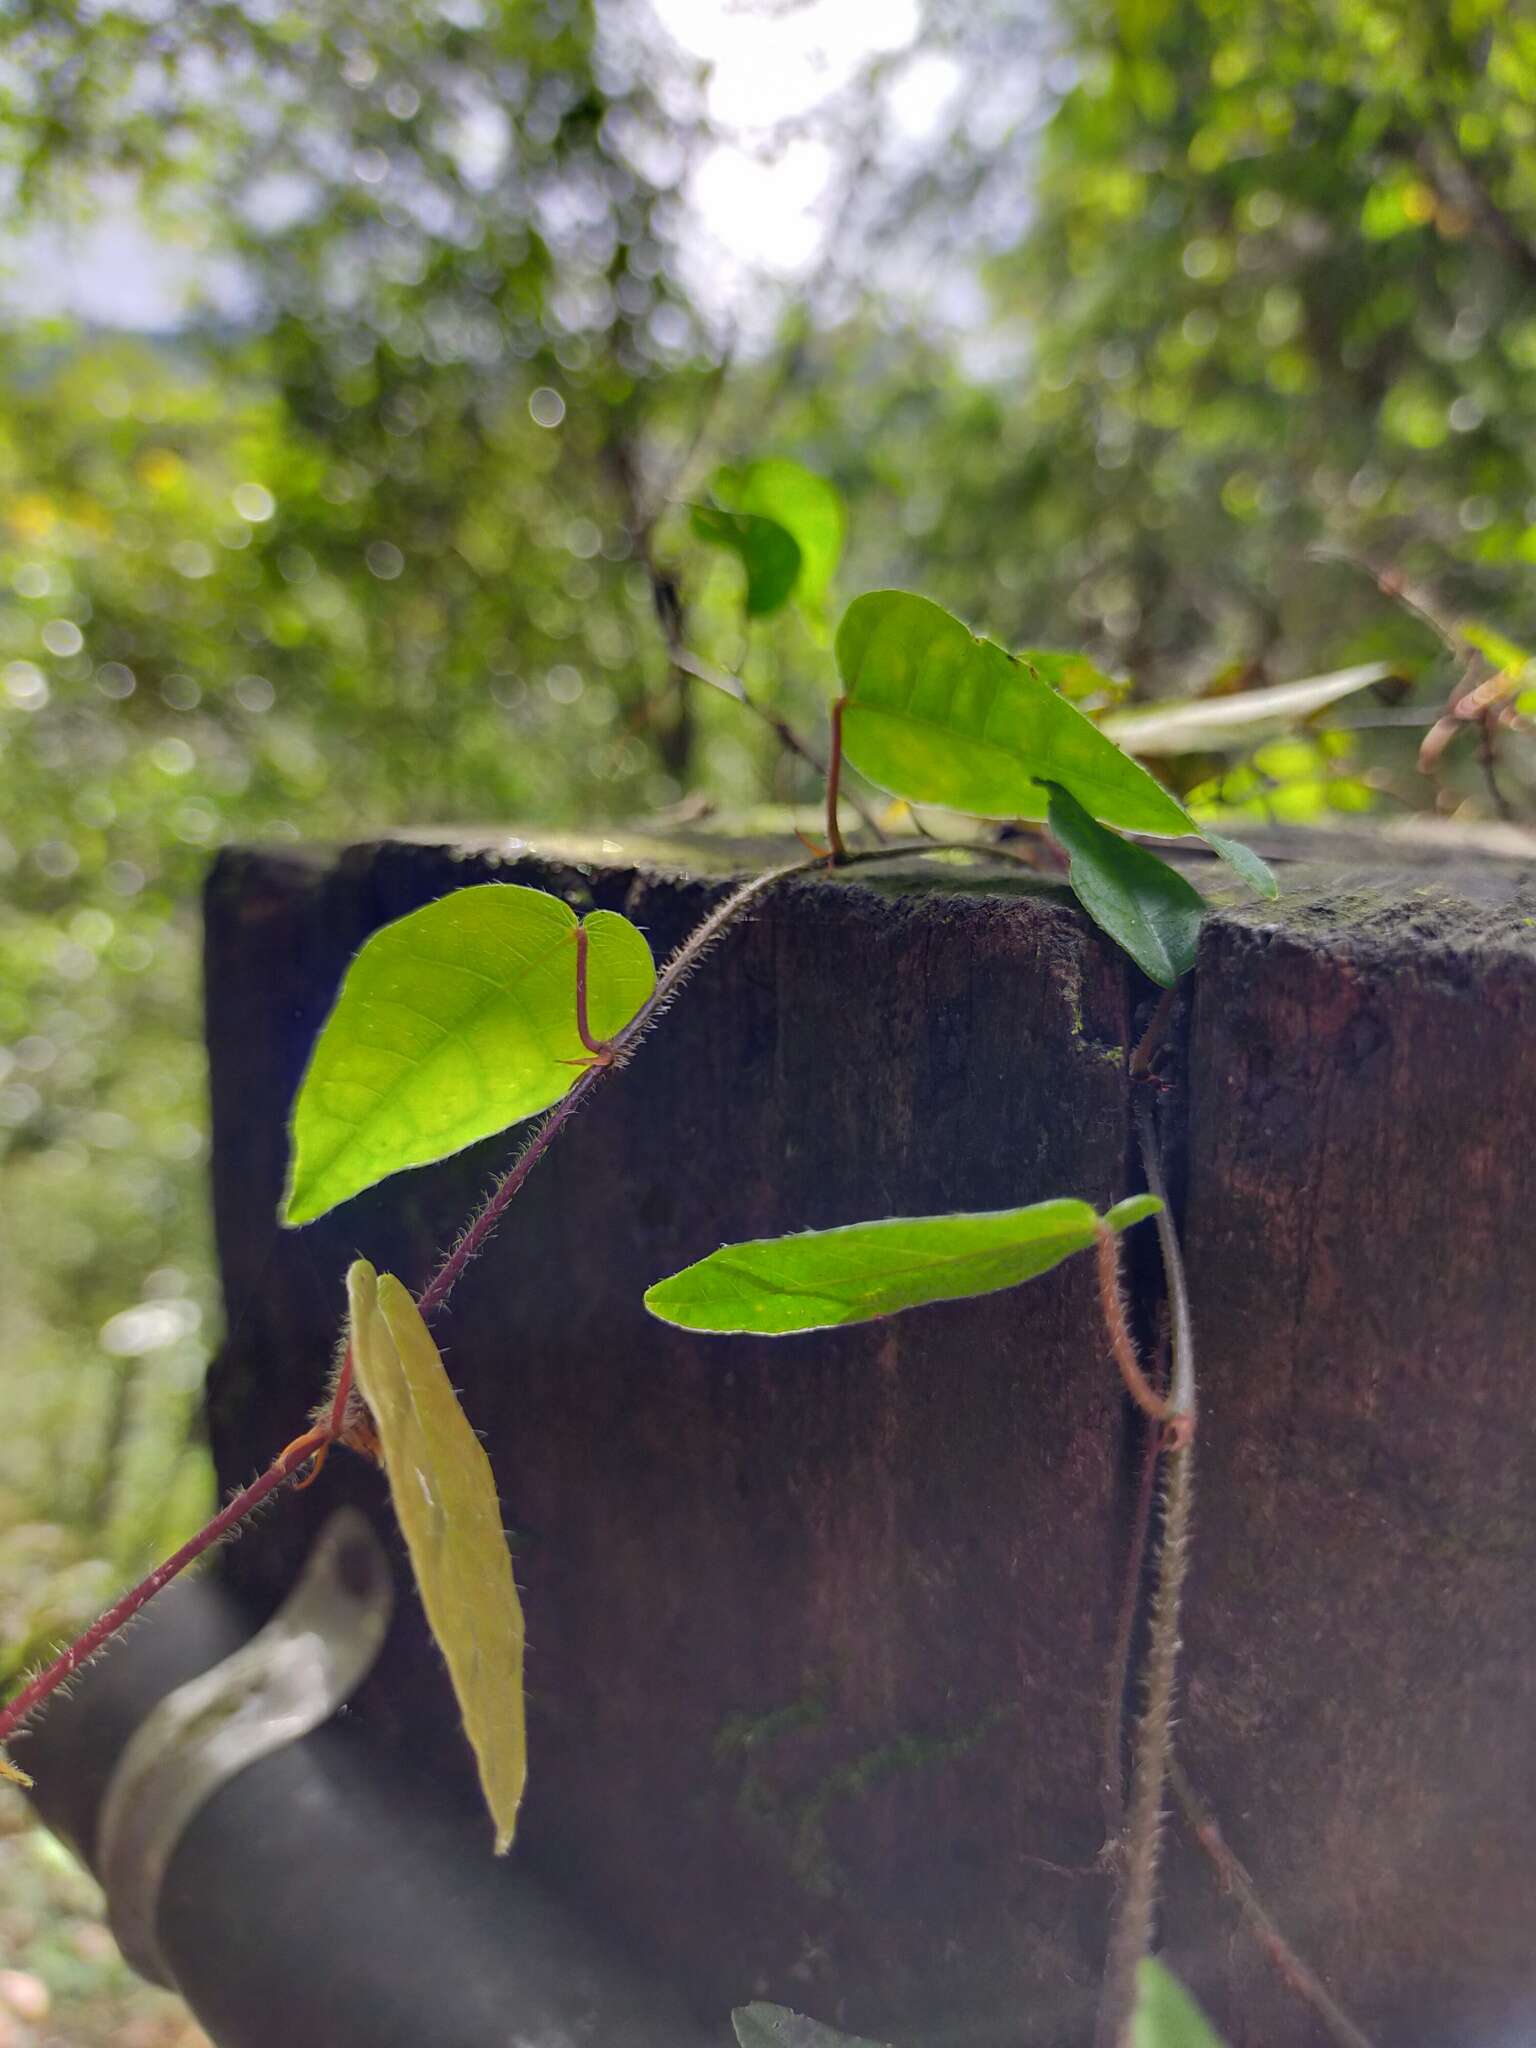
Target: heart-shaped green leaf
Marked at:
451, 1024
768, 552
804, 504
1166, 2016
939, 716
1141, 902
776, 1286
444, 1494
775, 2026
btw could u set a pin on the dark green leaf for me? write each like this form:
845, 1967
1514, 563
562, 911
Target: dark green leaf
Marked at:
776, 1286
775, 2026
1166, 2016
768, 552
1129, 893
451, 1024
939, 716
804, 504
1243, 862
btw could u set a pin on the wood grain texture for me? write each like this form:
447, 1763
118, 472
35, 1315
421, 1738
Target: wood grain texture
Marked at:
818, 1627
1361, 1638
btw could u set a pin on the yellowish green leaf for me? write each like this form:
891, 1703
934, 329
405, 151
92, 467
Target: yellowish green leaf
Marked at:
444, 1494
451, 1024
1166, 2016
939, 715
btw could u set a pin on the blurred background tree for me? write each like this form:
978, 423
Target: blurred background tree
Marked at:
357, 495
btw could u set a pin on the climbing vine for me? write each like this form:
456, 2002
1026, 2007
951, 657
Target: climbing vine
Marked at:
496, 1005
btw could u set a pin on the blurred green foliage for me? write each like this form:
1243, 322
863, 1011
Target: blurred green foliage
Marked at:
61, 1977
1289, 253
397, 524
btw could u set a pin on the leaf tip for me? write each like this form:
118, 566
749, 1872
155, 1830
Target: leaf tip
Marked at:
362, 1290
1243, 862
658, 1301
1134, 1209
304, 1201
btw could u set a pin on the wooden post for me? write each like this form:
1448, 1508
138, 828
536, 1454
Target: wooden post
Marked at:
819, 1628
1361, 1649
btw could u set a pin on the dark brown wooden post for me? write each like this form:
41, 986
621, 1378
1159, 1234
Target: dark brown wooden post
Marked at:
819, 1629
1362, 1642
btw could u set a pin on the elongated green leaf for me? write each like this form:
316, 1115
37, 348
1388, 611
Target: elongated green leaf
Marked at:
1217, 724
939, 716
451, 1024
444, 1495
1166, 2016
804, 504
775, 2026
775, 1286
1141, 902
768, 552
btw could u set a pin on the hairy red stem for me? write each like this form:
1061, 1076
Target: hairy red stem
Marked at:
583, 1021
1125, 1630
317, 1440
1122, 1343
673, 975
81, 1651
335, 1422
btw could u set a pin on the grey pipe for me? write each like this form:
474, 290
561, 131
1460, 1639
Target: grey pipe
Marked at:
323, 1899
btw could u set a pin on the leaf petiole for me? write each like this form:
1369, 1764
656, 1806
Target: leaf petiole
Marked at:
839, 851
601, 1049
